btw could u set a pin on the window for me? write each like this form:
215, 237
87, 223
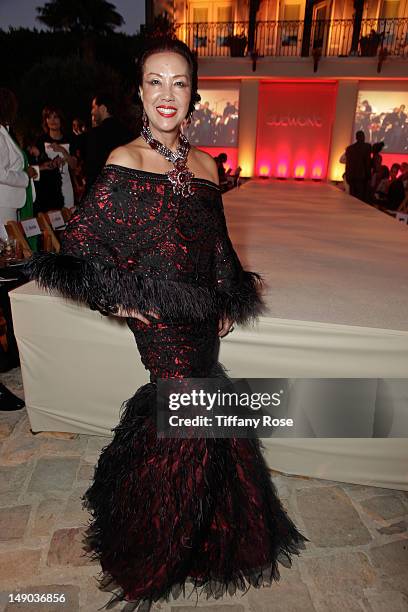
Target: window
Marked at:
390, 9
291, 12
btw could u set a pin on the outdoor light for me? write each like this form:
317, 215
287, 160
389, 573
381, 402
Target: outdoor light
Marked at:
282, 171
317, 172
300, 172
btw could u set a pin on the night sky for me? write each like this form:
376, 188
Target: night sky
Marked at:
22, 13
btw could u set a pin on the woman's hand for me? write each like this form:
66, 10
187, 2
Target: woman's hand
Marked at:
47, 165
58, 161
224, 326
58, 148
32, 172
71, 160
135, 314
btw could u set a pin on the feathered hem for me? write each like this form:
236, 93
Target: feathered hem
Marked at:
232, 531
105, 287
211, 587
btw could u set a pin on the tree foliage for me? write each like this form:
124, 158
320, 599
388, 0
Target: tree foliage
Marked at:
68, 84
160, 28
48, 67
98, 16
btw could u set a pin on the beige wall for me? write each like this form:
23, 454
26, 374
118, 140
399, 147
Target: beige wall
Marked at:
268, 10
248, 107
343, 126
180, 15
242, 10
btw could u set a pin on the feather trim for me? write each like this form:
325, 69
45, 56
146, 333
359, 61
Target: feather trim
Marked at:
105, 287
242, 302
126, 500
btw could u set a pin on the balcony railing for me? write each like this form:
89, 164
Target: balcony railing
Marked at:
285, 38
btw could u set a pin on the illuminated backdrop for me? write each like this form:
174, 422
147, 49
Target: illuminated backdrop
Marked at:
214, 127
383, 117
294, 129
215, 120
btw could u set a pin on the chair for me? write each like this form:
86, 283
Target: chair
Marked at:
56, 219
404, 206
51, 242
402, 217
67, 213
15, 230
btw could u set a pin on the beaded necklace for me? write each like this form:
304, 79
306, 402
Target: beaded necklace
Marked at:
180, 176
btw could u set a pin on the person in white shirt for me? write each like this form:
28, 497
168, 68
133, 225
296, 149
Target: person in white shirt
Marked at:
14, 178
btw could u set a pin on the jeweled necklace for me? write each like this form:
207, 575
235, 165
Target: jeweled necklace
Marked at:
180, 176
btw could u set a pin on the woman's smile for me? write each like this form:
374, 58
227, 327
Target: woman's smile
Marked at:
167, 111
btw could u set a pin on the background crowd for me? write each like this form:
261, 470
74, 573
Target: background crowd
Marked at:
366, 176
63, 158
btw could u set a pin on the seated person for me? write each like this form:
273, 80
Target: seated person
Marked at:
396, 193
222, 173
381, 191
394, 198
234, 177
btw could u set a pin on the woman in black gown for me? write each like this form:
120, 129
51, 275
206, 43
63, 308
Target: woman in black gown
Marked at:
150, 243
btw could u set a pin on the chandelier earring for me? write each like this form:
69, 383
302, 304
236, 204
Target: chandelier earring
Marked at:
145, 119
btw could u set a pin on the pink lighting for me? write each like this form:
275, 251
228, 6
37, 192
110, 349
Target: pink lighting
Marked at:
282, 170
300, 171
317, 171
295, 120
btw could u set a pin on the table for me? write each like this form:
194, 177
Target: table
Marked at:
78, 367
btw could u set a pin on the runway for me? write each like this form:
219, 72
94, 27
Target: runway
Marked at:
326, 256
337, 294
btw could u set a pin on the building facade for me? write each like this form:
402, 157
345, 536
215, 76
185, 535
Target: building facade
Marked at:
287, 104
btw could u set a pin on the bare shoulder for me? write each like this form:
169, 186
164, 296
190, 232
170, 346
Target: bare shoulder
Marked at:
205, 165
127, 155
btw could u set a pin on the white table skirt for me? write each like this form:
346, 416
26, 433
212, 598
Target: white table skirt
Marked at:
78, 367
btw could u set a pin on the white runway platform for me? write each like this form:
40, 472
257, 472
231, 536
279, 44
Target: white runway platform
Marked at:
337, 293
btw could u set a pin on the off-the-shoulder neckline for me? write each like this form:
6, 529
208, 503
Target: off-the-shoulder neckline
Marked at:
158, 175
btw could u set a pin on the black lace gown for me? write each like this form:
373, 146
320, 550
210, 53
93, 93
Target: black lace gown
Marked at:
170, 513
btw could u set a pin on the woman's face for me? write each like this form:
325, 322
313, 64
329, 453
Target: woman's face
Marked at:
53, 121
166, 90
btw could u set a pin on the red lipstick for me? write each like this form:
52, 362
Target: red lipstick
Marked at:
166, 108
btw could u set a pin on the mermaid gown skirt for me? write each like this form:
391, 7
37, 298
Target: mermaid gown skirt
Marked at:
169, 513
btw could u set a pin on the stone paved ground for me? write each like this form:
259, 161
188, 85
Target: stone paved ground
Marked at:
357, 559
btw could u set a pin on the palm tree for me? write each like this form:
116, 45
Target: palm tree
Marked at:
82, 16
87, 18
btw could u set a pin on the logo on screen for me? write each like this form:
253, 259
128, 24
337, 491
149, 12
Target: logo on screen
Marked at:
295, 121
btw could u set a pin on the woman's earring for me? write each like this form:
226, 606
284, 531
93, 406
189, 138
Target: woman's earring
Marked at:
145, 119
188, 120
